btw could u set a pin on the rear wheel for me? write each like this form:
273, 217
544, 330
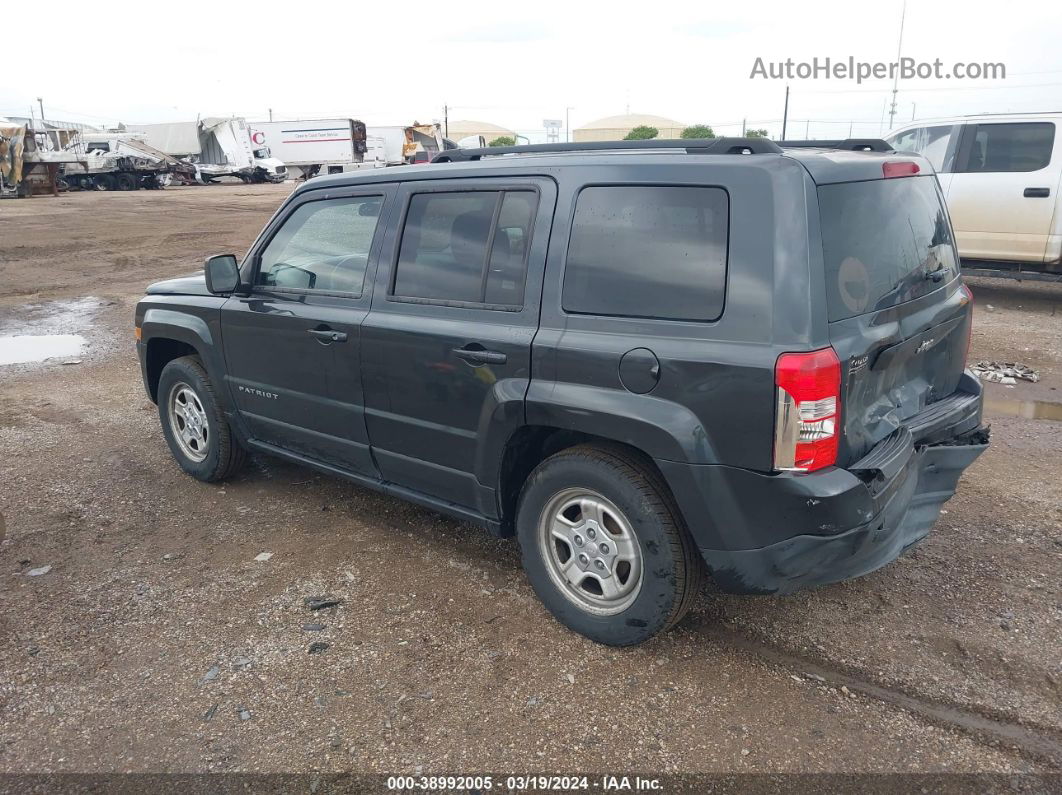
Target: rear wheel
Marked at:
604, 547
103, 182
195, 427
125, 182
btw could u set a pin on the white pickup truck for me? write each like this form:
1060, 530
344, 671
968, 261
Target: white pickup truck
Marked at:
1001, 175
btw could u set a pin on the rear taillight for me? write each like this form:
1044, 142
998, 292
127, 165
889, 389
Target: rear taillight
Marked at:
968, 294
808, 410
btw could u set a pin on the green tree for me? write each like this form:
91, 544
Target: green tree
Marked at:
503, 140
756, 134
642, 133
698, 131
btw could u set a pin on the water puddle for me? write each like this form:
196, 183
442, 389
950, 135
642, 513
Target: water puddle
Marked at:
1026, 409
52, 330
23, 349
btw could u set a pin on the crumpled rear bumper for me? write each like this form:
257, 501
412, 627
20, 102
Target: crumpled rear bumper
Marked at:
848, 522
911, 502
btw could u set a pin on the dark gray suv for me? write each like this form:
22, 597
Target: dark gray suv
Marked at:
649, 361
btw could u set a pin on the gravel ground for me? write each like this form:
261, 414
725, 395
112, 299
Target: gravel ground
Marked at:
157, 641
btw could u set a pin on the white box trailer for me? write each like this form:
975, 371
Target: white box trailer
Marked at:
312, 146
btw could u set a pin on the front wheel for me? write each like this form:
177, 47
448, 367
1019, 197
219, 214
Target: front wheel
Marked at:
604, 547
195, 427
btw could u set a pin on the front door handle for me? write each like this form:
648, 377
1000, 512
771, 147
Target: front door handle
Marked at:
479, 356
1037, 193
327, 335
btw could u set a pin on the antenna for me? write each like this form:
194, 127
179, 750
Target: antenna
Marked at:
896, 75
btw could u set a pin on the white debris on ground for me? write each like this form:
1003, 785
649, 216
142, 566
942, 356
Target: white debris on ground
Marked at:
1006, 373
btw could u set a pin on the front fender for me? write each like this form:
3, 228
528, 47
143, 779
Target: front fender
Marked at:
195, 323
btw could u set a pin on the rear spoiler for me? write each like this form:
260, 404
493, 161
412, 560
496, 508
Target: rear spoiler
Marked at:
847, 144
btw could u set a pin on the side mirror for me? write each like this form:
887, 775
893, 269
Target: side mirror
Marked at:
222, 274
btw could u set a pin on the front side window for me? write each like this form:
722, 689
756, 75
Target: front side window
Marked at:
648, 251
468, 246
1011, 147
323, 245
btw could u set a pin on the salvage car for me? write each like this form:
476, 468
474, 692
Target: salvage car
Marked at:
650, 361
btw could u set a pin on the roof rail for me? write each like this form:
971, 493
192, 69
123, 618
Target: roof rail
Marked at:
693, 146
848, 144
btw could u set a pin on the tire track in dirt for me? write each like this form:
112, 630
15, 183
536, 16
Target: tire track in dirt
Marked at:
1040, 744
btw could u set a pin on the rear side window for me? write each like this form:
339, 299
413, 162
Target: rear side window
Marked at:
648, 251
466, 246
881, 240
1010, 147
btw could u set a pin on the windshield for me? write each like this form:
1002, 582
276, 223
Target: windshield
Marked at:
883, 242
262, 153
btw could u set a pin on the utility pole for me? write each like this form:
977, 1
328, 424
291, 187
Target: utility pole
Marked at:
446, 121
914, 106
896, 74
785, 113
568, 124
271, 114
41, 103
743, 127
807, 127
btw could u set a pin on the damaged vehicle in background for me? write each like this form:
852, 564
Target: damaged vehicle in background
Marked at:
779, 401
216, 148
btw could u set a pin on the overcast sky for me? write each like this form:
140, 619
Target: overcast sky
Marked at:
515, 64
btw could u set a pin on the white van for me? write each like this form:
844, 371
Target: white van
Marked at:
1001, 175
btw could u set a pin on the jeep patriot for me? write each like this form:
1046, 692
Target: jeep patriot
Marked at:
650, 361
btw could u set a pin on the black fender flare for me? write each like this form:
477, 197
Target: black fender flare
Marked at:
162, 323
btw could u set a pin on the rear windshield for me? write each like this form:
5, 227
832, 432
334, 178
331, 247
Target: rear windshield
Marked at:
880, 242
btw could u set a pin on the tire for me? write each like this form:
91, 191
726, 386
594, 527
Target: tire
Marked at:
654, 564
209, 450
103, 182
125, 181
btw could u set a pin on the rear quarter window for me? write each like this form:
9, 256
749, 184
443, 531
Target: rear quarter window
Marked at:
882, 243
649, 252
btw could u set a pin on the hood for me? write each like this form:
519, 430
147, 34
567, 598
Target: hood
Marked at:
183, 285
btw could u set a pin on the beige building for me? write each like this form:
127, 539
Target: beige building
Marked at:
615, 128
464, 128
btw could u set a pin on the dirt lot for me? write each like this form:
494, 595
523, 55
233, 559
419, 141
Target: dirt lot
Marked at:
156, 641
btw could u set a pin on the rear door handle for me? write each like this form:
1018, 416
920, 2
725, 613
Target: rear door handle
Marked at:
327, 335
473, 356
1037, 193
